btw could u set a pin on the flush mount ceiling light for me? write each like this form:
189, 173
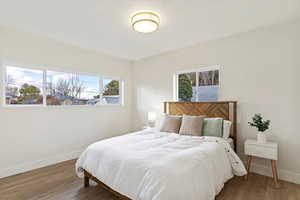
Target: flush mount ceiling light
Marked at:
145, 21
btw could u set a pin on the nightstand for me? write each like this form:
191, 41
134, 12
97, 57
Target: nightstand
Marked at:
267, 150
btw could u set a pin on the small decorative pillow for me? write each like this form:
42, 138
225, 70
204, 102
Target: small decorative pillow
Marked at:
212, 127
171, 123
191, 125
226, 129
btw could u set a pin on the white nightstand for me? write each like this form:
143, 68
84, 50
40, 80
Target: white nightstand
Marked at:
267, 150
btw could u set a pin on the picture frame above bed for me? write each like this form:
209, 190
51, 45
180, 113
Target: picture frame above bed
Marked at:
223, 109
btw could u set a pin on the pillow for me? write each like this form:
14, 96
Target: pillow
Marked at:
191, 125
159, 121
226, 129
212, 127
171, 123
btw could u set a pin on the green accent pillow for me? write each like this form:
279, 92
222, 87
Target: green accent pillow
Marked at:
212, 127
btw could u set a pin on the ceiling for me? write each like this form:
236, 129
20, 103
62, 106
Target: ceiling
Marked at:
103, 25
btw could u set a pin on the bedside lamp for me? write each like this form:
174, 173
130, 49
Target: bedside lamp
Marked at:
151, 119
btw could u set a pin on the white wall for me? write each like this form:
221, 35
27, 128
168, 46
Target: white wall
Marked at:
259, 69
34, 137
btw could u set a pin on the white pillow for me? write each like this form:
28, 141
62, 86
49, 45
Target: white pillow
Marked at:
159, 120
226, 128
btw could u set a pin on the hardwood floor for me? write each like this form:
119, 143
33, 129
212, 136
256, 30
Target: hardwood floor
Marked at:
59, 182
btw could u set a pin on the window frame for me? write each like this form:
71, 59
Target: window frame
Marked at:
197, 71
44, 69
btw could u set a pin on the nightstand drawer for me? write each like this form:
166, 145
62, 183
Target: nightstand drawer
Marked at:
261, 151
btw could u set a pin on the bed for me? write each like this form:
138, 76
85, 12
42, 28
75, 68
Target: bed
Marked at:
155, 165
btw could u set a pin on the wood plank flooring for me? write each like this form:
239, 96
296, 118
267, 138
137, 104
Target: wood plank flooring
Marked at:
59, 182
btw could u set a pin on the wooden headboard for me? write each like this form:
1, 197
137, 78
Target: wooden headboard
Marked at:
224, 109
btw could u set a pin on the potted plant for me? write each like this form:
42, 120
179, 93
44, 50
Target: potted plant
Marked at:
261, 125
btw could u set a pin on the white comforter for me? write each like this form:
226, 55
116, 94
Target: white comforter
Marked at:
152, 165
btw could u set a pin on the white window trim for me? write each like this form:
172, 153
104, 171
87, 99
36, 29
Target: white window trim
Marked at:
5, 64
197, 70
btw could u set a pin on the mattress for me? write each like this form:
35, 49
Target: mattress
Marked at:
152, 165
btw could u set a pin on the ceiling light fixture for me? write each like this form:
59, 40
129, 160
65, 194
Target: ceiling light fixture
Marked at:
145, 21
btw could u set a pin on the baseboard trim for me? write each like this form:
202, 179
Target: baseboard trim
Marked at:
283, 174
24, 167
17, 169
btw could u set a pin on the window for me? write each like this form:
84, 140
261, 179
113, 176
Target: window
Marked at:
197, 85
110, 91
23, 86
71, 89
49, 88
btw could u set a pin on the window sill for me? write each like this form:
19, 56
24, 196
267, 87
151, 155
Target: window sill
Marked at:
62, 106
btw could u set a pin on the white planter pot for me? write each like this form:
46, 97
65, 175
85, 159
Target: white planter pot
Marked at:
261, 137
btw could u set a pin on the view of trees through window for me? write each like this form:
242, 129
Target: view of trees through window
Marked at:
71, 89
25, 86
111, 91
198, 86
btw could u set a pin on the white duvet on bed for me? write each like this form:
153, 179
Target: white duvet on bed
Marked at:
152, 165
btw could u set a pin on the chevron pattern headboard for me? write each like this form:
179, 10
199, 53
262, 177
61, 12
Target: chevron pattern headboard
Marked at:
224, 109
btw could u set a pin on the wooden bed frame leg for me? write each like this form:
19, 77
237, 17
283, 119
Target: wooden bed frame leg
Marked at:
86, 180
248, 167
